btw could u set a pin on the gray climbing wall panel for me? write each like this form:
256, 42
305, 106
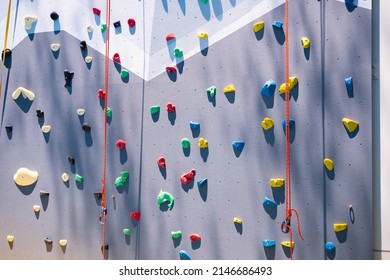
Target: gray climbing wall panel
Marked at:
236, 182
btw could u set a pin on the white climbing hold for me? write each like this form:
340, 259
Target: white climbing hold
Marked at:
46, 128
55, 47
65, 177
21, 90
88, 59
90, 28
36, 208
29, 21
80, 112
25, 177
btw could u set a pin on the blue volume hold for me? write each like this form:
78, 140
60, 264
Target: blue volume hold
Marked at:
277, 24
269, 202
238, 145
194, 125
292, 124
201, 182
268, 243
268, 88
184, 255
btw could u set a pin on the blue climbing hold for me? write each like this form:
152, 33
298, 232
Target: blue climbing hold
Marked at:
352, 3
269, 202
277, 24
238, 145
201, 182
268, 243
194, 125
349, 85
330, 247
292, 124
184, 255
268, 88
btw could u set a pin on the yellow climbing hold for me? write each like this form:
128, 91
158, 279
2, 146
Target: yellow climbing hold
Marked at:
10, 238
203, 35
340, 227
36, 208
25, 177
305, 42
237, 220
328, 164
258, 26
29, 21
63, 242
276, 182
229, 88
292, 81
288, 244
267, 123
349, 124
202, 143
21, 90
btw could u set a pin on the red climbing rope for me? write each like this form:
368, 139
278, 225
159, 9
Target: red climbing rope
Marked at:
286, 227
104, 180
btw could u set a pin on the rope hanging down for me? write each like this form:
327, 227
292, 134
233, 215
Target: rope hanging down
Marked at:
104, 180
5, 44
289, 210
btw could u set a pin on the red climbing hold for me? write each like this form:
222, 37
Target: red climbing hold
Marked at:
120, 144
171, 70
136, 215
116, 58
161, 162
170, 107
170, 37
195, 237
131, 22
187, 177
96, 11
101, 94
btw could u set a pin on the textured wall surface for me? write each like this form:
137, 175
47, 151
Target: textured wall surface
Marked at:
236, 182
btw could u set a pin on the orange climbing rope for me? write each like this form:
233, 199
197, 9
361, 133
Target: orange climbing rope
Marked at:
286, 227
5, 44
104, 180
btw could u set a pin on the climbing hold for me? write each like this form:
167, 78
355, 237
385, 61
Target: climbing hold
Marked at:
26, 93
29, 21
186, 178
124, 73
349, 124
120, 144
204, 1
203, 35
258, 26
126, 231
63, 242
211, 91
277, 24
10, 238
184, 255
101, 94
43, 193
79, 178
25, 177
267, 123
171, 70
305, 42
238, 145
194, 125
292, 124
9, 128
288, 244
195, 237
293, 81
165, 197
65, 177
121, 180
46, 128
340, 227
109, 112
161, 162
268, 243
83, 45
170, 107
116, 58
352, 3
136, 215
177, 52
330, 247
7, 53
68, 78
131, 22
202, 143
47, 240
96, 11
349, 85
154, 109
54, 16
185, 143
229, 88
268, 88
36, 208
39, 113
89, 28
328, 164
55, 47
237, 221
269, 202
71, 160
80, 112
88, 59
86, 127
276, 182
170, 37
201, 182
117, 24
103, 27
176, 234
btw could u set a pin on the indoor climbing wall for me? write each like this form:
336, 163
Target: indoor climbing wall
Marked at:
196, 130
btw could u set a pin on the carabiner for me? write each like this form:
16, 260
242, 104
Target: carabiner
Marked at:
285, 226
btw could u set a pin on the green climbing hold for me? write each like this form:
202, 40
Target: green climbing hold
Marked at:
103, 27
109, 112
178, 52
79, 178
126, 231
121, 180
185, 143
154, 109
211, 91
176, 234
204, 1
124, 73
165, 197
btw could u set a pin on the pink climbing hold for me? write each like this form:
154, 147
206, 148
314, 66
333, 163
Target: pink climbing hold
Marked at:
161, 162
96, 11
170, 37
136, 215
120, 144
171, 70
101, 94
186, 178
131, 22
195, 237
116, 58
170, 107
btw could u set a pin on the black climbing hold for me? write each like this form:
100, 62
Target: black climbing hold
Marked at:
105, 247
9, 128
83, 45
71, 160
68, 78
54, 16
40, 113
98, 195
86, 127
43, 193
8, 53
117, 24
